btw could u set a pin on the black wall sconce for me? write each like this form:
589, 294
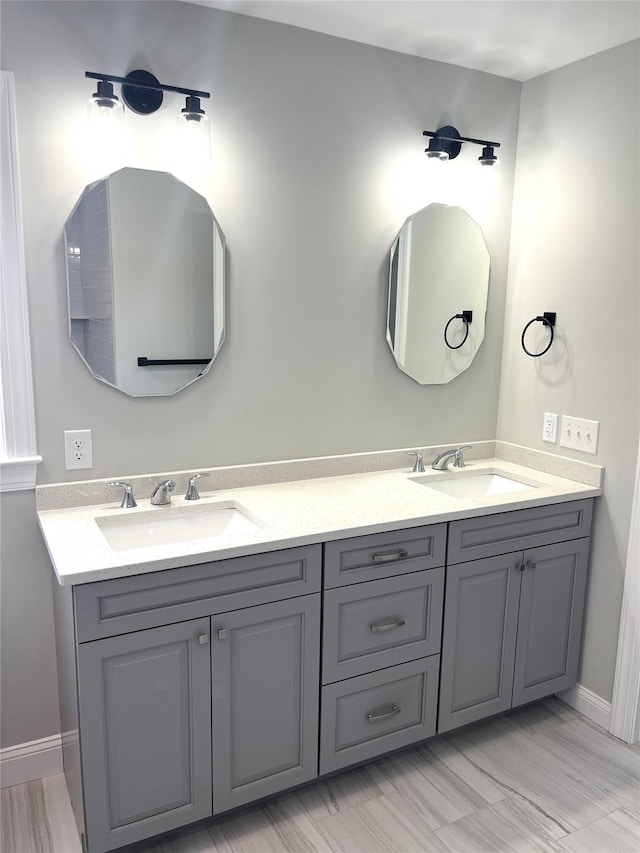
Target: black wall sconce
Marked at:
446, 143
143, 94
547, 319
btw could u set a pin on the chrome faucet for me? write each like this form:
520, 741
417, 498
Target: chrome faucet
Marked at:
192, 489
441, 462
161, 495
128, 500
418, 467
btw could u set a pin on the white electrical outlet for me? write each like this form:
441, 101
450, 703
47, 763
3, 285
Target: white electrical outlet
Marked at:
77, 449
550, 427
579, 434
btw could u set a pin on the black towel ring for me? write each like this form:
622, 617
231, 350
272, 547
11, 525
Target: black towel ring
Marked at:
466, 317
547, 319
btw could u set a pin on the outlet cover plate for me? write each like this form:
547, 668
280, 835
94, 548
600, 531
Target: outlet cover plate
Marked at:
550, 427
77, 449
579, 434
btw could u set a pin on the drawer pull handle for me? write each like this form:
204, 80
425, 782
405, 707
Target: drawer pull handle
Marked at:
388, 626
385, 715
390, 556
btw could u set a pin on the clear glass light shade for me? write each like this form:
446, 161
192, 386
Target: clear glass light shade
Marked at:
440, 156
104, 109
106, 138
194, 137
437, 178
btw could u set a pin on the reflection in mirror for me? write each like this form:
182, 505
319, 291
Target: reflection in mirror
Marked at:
145, 280
438, 279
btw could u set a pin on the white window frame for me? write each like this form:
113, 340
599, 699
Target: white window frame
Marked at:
18, 453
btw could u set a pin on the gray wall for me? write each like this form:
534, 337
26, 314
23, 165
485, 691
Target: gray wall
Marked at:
312, 138
28, 664
317, 160
574, 250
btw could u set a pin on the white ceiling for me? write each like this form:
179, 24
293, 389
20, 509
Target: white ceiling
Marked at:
512, 38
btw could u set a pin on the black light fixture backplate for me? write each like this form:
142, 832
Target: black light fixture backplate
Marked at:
451, 147
141, 100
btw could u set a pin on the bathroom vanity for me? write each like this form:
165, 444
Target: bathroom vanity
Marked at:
191, 690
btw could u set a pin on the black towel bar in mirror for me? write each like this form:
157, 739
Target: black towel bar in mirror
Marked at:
143, 361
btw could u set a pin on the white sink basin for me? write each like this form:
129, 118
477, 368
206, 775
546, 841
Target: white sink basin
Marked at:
168, 526
472, 485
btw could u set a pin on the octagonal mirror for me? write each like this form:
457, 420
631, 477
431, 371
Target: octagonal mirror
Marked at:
145, 282
438, 289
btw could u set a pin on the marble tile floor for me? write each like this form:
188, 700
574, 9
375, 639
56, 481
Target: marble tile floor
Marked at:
541, 778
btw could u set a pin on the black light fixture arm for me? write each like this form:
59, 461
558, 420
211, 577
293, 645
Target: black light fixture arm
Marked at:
159, 87
436, 134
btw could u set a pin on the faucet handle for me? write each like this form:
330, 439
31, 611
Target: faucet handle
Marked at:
161, 495
418, 467
128, 500
459, 460
192, 489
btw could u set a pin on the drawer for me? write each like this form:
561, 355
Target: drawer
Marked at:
486, 536
107, 608
366, 716
383, 555
378, 624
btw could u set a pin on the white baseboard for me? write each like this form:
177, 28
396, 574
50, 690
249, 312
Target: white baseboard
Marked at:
588, 703
25, 762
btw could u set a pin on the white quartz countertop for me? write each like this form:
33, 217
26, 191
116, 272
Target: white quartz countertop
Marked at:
289, 514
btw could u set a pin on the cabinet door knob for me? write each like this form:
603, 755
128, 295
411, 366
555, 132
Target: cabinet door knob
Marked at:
520, 566
223, 633
203, 639
384, 715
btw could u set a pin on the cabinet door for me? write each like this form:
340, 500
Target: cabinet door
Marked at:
478, 643
145, 732
265, 679
550, 621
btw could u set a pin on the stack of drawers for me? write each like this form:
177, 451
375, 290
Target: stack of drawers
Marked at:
382, 623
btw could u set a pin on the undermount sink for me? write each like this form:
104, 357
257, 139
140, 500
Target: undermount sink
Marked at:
474, 485
172, 525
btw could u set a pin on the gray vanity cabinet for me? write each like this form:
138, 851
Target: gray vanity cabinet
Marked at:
196, 688
144, 704
191, 691
512, 621
265, 677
